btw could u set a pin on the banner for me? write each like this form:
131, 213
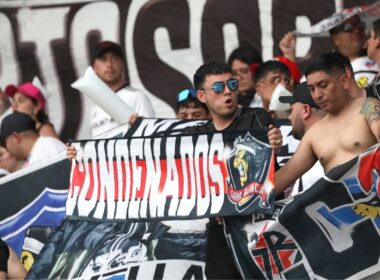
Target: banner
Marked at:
125, 226
172, 177
330, 231
117, 184
367, 15
164, 42
32, 205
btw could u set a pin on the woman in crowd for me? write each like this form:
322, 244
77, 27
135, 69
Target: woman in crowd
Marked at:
28, 99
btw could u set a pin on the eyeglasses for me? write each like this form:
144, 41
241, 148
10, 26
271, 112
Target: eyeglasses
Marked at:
241, 72
185, 94
349, 26
218, 87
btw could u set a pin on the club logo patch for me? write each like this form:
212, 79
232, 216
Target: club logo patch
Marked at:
250, 173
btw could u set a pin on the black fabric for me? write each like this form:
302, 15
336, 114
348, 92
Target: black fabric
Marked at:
373, 90
245, 99
247, 118
4, 255
219, 260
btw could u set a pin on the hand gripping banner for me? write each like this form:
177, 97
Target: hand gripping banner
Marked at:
117, 184
171, 177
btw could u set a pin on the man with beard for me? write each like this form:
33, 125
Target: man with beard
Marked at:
303, 114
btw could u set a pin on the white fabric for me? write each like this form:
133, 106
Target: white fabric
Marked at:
256, 102
137, 100
185, 226
365, 70
309, 178
44, 148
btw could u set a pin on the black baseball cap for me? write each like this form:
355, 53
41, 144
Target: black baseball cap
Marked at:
16, 122
107, 46
302, 95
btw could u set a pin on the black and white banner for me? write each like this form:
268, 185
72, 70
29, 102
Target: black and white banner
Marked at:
172, 177
330, 231
32, 205
164, 42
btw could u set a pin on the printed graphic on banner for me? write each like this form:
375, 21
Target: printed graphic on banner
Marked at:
335, 221
250, 172
31, 206
92, 249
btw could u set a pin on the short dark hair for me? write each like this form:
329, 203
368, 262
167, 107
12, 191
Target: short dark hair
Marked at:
212, 68
376, 27
246, 54
270, 66
331, 63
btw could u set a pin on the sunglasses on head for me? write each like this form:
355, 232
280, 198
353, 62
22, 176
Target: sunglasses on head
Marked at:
185, 94
350, 26
218, 87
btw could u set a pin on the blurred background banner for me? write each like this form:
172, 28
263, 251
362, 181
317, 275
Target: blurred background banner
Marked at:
164, 42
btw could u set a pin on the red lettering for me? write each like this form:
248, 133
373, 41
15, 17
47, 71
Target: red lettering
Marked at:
140, 192
116, 181
91, 185
77, 179
179, 166
201, 176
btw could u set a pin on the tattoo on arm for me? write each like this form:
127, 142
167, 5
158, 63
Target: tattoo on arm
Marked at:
371, 109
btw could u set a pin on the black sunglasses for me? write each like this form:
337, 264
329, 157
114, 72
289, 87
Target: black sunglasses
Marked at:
349, 26
218, 87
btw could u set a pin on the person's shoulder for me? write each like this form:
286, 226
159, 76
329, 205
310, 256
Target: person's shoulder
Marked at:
199, 129
257, 112
129, 90
48, 140
317, 129
363, 63
369, 106
252, 110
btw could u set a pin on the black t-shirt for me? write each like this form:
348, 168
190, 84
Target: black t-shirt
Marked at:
4, 255
245, 99
219, 259
248, 118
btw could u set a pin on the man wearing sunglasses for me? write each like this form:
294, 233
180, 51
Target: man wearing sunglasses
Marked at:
349, 38
218, 90
189, 107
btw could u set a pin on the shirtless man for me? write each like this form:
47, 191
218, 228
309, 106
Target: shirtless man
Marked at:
351, 124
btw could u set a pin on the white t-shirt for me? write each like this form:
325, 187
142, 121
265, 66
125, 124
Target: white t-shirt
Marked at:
44, 148
137, 100
365, 70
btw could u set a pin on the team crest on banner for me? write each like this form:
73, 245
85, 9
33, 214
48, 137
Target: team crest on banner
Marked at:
250, 175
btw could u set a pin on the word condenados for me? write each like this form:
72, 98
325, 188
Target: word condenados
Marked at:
145, 178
